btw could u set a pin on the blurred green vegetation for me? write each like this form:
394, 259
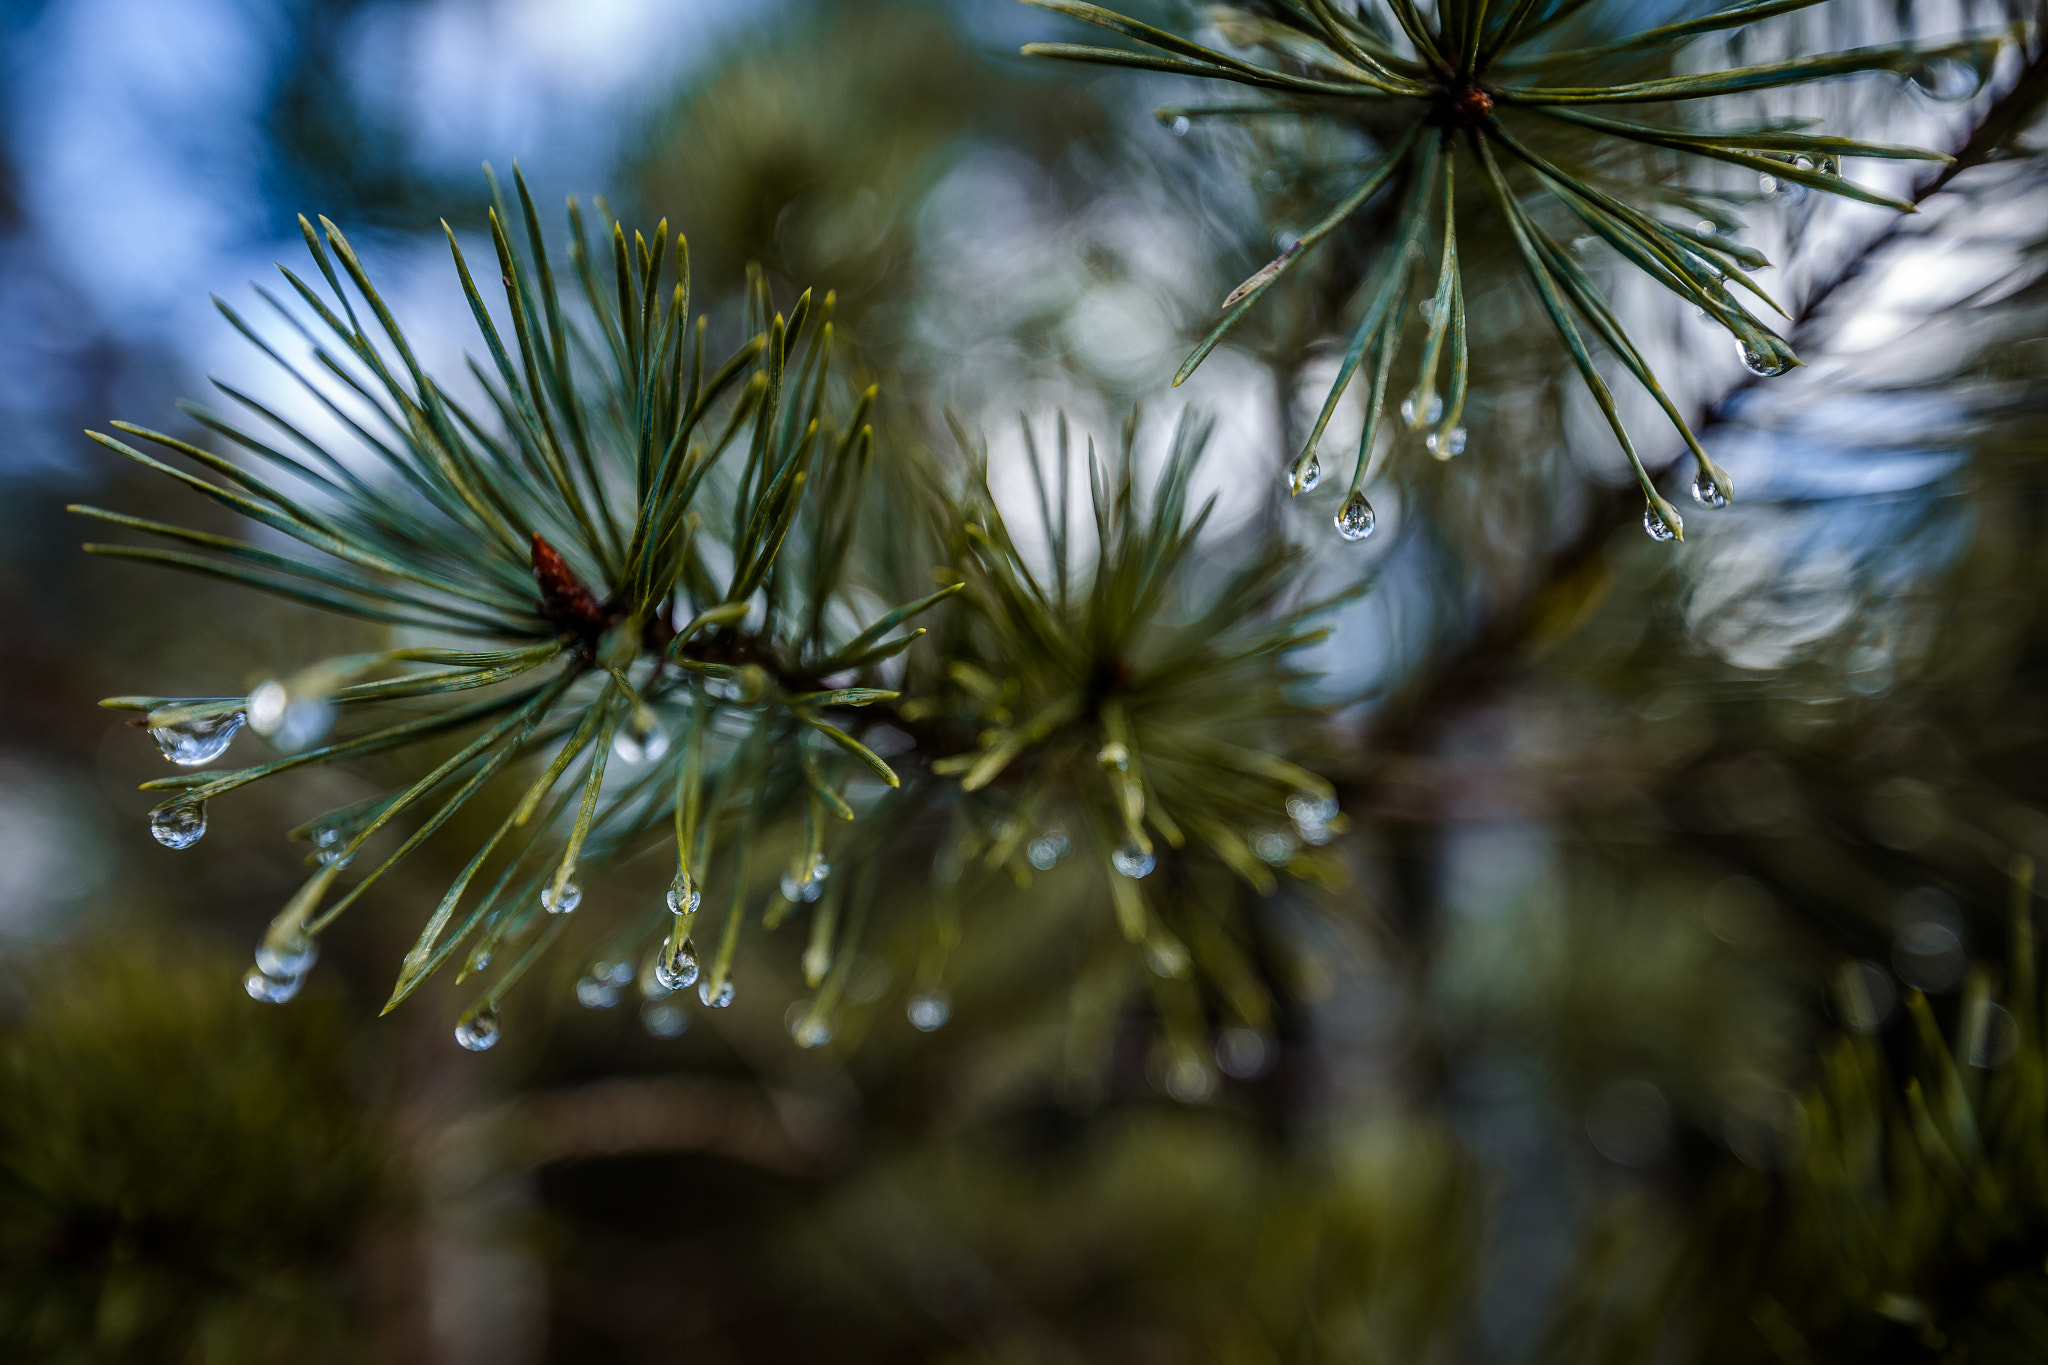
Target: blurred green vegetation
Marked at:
183, 1176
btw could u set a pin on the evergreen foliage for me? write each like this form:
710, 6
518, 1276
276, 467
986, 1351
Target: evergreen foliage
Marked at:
660, 570
1494, 82
175, 1184
711, 617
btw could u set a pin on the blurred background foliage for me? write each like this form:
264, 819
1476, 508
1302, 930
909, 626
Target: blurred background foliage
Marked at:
1673, 1006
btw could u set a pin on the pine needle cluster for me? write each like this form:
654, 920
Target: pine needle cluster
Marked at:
1490, 88
649, 585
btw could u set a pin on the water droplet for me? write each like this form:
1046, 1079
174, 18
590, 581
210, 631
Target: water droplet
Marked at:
1864, 995
266, 706
809, 886
1765, 363
1430, 413
1446, 443
1245, 1053
294, 956
929, 1010
1049, 849
1180, 125
805, 891
1790, 191
480, 959
1355, 518
1312, 816
479, 1032
1189, 1081
1114, 755
676, 968
1304, 477
618, 973
663, 1020
1706, 227
1166, 957
595, 993
1274, 847
684, 895
271, 990
1658, 528
1707, 493
718, 1001
1929, 954
287, 721
572, 896
640, 740
810, 1031
202, 739
1994, 1035
178, 825
1946, 78
1426, 310
1133, 861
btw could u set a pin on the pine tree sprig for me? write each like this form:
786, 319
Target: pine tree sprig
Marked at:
1451, 78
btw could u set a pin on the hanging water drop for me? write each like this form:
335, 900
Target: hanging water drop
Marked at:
718, 1000
178, 825
1761, 362
1445, 443
640, 740
480, 959
202, 739
293, 956
479, 1032
929, 1010
1312, 816
1049, 848
288, 722
1946, 78
1167, 958
1133, 860
271, 990
676, 968
663, 1020
1430, 412
1355, 518
596, 993
1707, 493
1190, 1081
1304, 477
1657, 527
1275, 848
1180, 125
572, 896
811, 1032
684, 896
